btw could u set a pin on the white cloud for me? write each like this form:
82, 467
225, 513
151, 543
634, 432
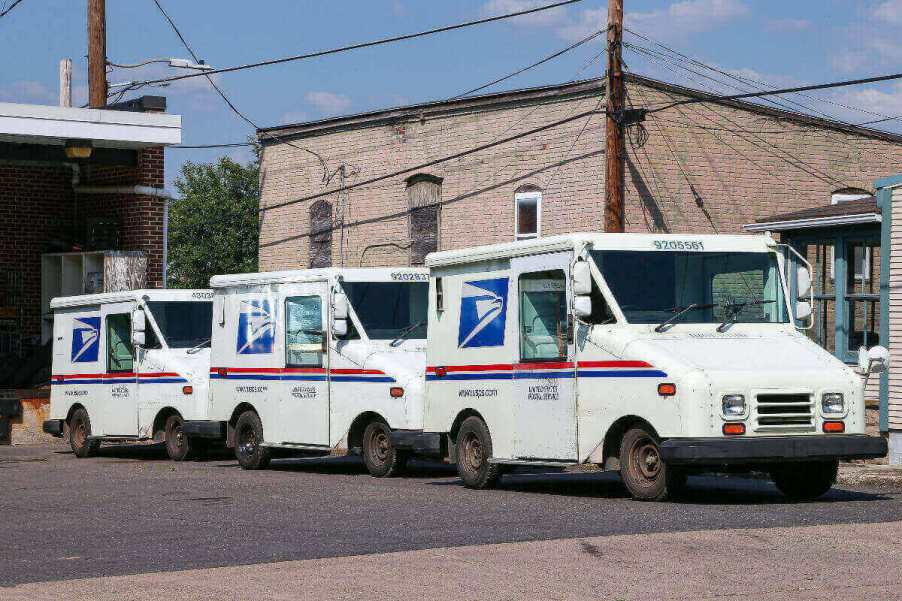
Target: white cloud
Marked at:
886, 100
292, 117
328, 103
28, 92
889, 11
545, 18
788, 25
687, 17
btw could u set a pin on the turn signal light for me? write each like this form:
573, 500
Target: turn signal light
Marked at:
834, 427
667, 389
734, 429
396, 392
187, 390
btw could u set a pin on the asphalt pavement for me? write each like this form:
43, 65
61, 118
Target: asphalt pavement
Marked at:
131, 511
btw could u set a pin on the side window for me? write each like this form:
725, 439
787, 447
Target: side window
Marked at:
528, 214
120, 355
543, 316
304, 331
601, 312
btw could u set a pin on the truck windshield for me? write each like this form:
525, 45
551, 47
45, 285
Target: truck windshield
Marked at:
704, 287
387, 309
183, 324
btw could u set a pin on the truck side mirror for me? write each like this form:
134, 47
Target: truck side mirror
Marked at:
874, 360
138, 338
582, 306
139, 321
340, 305
803, 281
339, 328
803, 310
582, 278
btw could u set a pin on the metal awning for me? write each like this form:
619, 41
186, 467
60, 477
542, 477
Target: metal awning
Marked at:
854, 212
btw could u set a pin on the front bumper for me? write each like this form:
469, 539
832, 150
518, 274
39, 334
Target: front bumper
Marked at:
54, 427
771, 449
204, 429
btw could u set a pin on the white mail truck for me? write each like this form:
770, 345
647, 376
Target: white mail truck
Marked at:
318, 361
129, 366
655, 355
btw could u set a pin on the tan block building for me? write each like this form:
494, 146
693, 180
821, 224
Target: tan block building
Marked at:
411, 185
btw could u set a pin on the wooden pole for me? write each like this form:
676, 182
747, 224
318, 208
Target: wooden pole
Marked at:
66, 82
97, 84
614, 147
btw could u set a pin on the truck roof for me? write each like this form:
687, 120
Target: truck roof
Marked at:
598, 241
176, 294
350, 274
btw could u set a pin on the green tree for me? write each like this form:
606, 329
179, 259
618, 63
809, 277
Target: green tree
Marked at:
213, 226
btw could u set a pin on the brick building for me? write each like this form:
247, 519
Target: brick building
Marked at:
80, 190
709, 167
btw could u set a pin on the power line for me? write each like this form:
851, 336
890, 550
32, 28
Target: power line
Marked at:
224, 145
445, 159
389, 40
225, 98
7, 10
532, 66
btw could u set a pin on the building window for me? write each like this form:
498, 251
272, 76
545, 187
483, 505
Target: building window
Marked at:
860, 260
321, 234
527, 213
424, 197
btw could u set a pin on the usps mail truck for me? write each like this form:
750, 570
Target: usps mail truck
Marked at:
129, 366
654, 355
318, 361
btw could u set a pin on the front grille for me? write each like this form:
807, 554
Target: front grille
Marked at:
783, 412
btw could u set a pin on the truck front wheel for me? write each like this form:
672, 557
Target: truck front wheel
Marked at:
474, 449
382, 459
249, 449
80, 434
178, 447
804, 481
644, 473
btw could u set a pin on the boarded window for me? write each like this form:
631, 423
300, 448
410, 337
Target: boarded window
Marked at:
321, 234
424, 196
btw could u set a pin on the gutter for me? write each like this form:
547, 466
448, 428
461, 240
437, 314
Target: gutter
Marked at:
140, 191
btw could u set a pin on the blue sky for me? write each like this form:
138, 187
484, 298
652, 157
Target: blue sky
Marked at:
777, 42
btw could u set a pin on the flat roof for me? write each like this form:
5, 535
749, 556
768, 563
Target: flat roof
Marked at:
849, 212
293, 276
179, 294
603, 241
40, 124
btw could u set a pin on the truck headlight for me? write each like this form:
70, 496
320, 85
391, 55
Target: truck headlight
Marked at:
733, 405
832, 403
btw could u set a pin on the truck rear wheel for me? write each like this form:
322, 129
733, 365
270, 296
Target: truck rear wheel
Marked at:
249, 449
79, 434
804, 481
382, 459
644, 473
178, 447
474, 449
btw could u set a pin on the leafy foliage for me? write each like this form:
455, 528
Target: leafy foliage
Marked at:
213, 226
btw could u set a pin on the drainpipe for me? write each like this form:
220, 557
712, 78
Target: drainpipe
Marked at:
141, 191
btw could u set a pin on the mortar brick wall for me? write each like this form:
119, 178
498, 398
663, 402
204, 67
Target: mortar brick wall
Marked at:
704, 168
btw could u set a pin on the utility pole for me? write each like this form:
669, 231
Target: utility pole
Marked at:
613, 201
66, 82
97, 84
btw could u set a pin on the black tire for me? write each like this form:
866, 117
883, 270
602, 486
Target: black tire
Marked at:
79, 432
178, 446
381, 458
804, 481
474, 449
644, 473
249, 451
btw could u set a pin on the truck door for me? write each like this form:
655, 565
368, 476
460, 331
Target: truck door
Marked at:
120, 380
544, 392
304, 387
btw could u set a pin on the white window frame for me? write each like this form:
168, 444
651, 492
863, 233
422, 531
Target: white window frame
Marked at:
530, 196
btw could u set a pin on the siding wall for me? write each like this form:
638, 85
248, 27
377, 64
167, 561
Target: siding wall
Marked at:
895, 314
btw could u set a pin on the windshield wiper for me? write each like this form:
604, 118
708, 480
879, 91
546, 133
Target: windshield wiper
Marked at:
406, 332
680, 311
197, 347
733, 309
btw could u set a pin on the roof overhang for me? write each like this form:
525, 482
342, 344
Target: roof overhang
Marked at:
53, 125
814, 222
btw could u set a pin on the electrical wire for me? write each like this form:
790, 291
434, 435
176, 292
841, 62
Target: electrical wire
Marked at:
380, 42
202, 146
9, 9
